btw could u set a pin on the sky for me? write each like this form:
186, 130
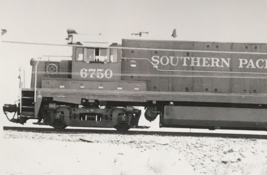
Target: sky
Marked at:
47, 21
202, 20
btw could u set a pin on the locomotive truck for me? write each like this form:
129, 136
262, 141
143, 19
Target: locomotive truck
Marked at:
186, 84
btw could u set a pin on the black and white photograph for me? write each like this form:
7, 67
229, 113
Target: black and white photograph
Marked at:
133, 87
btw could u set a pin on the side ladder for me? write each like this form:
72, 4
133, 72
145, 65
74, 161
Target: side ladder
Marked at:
27, 102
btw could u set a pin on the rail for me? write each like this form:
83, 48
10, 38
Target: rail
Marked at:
144, 131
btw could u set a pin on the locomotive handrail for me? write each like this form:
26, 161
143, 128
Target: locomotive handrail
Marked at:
35, 80
263, 75
23, 70
55, 57
20, 85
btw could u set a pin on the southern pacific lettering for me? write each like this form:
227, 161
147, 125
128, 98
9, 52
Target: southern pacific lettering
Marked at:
191, 61
208, 62
252, 63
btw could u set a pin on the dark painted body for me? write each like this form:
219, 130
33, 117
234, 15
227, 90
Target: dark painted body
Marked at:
188, 84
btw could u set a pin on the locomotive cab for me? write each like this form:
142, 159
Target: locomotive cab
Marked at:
95, 69
96, 63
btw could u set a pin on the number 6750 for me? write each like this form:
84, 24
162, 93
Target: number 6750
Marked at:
96, 73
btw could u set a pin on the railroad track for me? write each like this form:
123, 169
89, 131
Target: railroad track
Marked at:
137, 132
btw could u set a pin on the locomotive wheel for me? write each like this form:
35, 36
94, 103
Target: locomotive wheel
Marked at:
122, 127
150, 113
58, 125
58, 121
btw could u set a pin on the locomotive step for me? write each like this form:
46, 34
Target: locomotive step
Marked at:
27, 106
39, 123
27, 113
28, 97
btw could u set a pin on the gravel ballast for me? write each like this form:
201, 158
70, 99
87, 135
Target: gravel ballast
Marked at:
46, 153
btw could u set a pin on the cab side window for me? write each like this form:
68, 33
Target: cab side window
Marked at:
79, 54
89, 55
96, 55
103, 55
113, 56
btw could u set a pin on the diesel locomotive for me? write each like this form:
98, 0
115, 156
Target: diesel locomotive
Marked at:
186, 84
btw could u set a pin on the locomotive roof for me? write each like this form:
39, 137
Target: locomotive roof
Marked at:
188, 41
195, 45
96, 44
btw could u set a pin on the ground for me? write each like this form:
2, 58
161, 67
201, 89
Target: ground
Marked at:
26, 153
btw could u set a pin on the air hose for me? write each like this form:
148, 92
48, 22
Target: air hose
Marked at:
13, 118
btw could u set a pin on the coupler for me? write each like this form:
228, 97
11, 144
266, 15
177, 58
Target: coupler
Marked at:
13, 108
